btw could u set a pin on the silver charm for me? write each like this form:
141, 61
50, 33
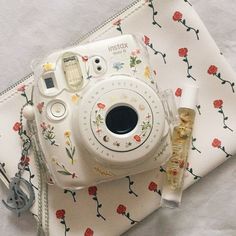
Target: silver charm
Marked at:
18, 201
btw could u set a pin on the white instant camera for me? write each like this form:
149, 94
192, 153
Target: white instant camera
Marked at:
99, 114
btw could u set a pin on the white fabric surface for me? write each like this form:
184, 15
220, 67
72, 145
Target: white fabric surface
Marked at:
27, 31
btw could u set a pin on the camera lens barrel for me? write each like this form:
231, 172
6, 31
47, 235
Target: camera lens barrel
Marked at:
120, 122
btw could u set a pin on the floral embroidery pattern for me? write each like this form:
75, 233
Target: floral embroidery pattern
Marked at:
130, 184
23, 93
183, 52
216, 143
70, 148
146, 41
75, 98
17, 126
212, 70
153, 187
48, 133
88, 232
116, 143
178, 17
60, 214
103, 171
121, 209
188, 2
193, 146
147, 74
40, 107
219, 105
117, 23
154, 13
162, 169
48, 67
198, 107
137, 138
118, 66
134, 60
87, 69
92, 191
73, 193
65, 171
190, 170
98, 117
145, 126
178, 92
128, 144
24, 163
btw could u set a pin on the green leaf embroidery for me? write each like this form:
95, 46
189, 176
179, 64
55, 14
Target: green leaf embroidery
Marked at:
63, 172
68, 153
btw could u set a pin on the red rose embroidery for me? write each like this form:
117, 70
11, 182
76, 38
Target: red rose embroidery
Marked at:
21, 88
84, 58
178, 92
146, 40
218, 103
88, 232
121, 209
212, 70
216, 143
177, 16
101, 105
137, 138
183, 52
17, 126
92, 190
40, 107
117, 22
60, 214
25, 160
43, 126
152, 186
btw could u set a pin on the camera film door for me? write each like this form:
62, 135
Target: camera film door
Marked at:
72, 70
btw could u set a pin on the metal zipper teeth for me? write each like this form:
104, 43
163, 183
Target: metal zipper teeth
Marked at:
78, 41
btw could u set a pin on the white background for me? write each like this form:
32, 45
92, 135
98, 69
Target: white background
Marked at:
29, 29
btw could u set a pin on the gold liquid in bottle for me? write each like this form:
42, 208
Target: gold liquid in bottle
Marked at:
181, 139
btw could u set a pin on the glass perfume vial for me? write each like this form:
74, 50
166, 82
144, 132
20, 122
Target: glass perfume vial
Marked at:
181, 138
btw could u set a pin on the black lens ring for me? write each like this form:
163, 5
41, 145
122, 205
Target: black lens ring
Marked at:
121, 119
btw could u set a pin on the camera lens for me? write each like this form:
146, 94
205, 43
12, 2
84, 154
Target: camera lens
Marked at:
97, 60
121, 120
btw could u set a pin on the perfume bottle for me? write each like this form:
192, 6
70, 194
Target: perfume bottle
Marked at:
181, 138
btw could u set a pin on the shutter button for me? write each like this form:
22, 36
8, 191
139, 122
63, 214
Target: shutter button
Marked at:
56, 110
